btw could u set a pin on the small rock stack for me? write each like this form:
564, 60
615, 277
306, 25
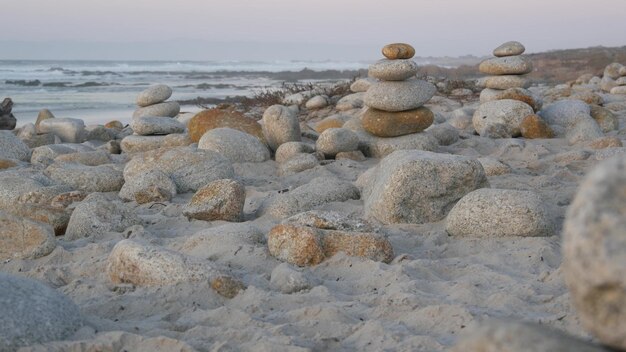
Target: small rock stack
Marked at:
153, 121
395, 103
507, 75
620, 82
613, 77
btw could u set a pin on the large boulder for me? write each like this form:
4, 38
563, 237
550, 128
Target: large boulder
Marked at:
594, 251
190, 168
12, 147
24, 239
239, 147
280, 125
101, 178
499, 212
508, 113
565, 112
216, 118
34, 313
68, 129
412, 186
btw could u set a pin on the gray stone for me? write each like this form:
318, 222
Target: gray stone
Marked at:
287, 150
219, 200
317, 102
154, 94
190, 168
34, 313
594, 261
399, 96
91, 158
565, 112
618, 90
362, 85
280, 125
499, 212
319, 191
509, 65
287, 279
237, 146
393, 70
504, 82
24, 239
100, 133
350, 102
494, 167
506, 112
139, 144
295, 99
151, 186
97, 215
586, 129
411, 186
43, 114
12, 147
508, 336
47, 154
297, 163
167, 109
101, 178
511, 48
337, 140
148, 125
607, 83
69, 130
444, 133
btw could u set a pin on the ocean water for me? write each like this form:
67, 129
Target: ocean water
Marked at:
100, 91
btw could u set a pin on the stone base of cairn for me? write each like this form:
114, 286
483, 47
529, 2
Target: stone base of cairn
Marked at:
153, 123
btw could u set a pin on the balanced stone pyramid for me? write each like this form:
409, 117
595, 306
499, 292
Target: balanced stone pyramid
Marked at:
153, 121
507, 75
395, 101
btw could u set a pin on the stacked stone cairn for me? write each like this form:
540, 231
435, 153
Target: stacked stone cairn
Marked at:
395, 103
616, 75
153, 121
506, 104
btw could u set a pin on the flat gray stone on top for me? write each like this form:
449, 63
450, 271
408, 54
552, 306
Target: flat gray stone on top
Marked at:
154, 94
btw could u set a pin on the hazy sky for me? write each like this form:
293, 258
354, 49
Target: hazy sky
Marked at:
290, 29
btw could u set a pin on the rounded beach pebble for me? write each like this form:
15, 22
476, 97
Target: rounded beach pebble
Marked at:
155, 94
393, 70
337, 140
511, 48
398, 51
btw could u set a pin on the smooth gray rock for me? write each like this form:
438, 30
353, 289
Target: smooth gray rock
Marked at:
362, 85
337, 140
511, 48
154, 94
393, 70
97, 215
319, 191
399, 96
167, 109
594, 252
149, 125
297, 163
507, 112
12, 147
350, 102
239, 147
586, 129
101, 178
151, 186
565, 112
280, 125
190, 168
499, 212
412, 186
317, 102
287, 150
68, 129
46, 155
508, 65
34, 313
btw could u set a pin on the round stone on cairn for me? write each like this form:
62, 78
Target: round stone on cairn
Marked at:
153, 121
395, 102
620, 82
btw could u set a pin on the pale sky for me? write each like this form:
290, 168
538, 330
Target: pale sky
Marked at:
297, 29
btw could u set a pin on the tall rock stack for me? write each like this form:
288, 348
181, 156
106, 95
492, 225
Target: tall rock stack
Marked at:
395, 102
507, 78
153, 122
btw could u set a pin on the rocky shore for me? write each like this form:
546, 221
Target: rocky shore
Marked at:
404, 214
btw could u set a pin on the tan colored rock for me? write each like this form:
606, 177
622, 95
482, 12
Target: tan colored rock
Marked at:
115, 124
511, 48
219, 200
306, 246
533, 126
509, 65
392, 124
504, 82
139, 144
588, 97
24, 239
605, 118
329, 122
356, 155
288, 150
215, 118
594, 264
519, 94
606, 142
281, 125
227, 286
56, 217
7, 163
44, 114
337, 140
398, 51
